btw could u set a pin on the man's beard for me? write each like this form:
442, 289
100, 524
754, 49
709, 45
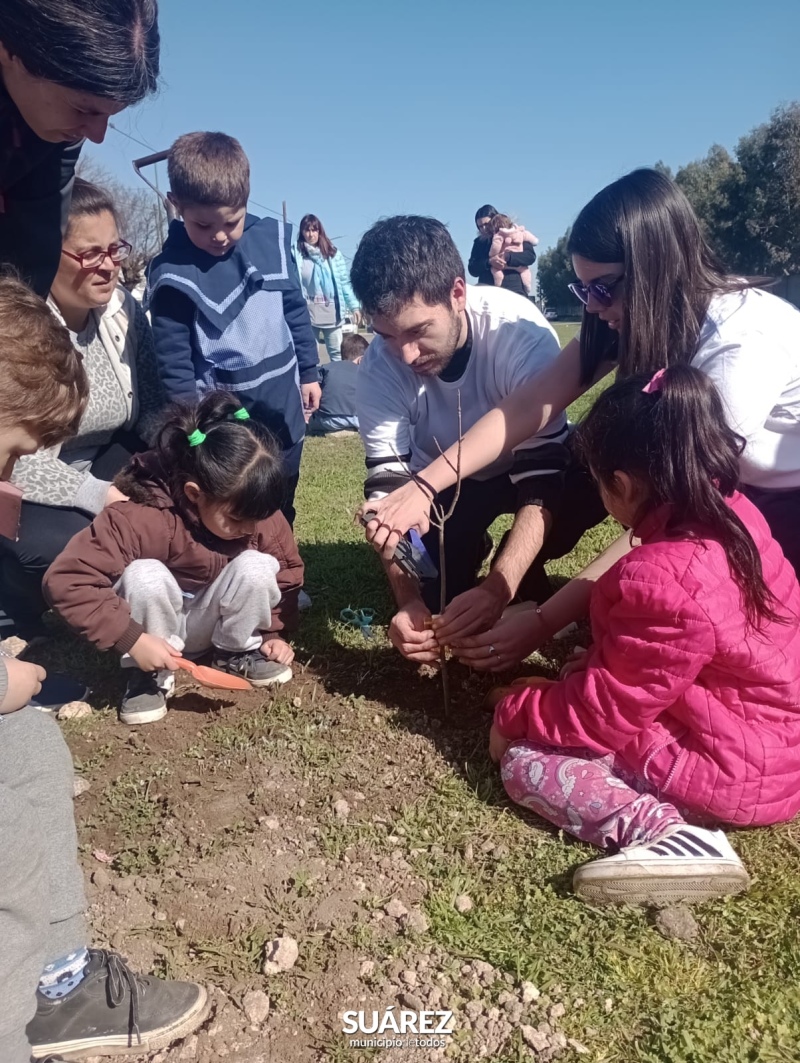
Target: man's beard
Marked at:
435, 364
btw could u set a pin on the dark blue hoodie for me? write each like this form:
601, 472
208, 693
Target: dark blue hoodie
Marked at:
239, 322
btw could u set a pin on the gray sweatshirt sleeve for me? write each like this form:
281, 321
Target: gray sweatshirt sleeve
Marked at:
44, 478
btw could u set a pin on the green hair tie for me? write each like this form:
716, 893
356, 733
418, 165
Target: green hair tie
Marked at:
196, 438
241, 414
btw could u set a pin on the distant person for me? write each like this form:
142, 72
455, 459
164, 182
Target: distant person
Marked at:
479, 265
683, 715
226, 304
66, 67
200, 558
337, 408
65, 486
326, 284
509, 239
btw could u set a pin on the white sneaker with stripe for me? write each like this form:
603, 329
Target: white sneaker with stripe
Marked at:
685, 864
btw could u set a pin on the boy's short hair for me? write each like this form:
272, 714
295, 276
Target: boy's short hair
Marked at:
405, 257
45, 387
208, 170
353, 346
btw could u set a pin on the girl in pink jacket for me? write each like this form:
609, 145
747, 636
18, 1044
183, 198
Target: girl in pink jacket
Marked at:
685, 711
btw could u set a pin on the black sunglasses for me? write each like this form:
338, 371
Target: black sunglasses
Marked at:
600, 292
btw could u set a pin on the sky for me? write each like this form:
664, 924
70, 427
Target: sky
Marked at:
358, 109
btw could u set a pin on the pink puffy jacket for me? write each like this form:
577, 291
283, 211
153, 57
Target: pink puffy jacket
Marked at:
697, 704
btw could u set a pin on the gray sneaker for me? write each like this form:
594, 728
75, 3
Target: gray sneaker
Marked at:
252, 666
145, 699
113, 1011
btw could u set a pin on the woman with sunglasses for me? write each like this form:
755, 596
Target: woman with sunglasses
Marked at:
654, 294
65, 487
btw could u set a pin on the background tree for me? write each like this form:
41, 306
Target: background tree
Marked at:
142, 220
554, 273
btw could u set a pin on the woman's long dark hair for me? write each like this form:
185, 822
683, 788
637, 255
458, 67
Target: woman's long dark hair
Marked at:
108, 48
311, 221
675, 443
238, 464
644, 221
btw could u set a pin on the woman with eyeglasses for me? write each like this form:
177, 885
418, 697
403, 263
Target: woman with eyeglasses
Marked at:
65, 487
654, 294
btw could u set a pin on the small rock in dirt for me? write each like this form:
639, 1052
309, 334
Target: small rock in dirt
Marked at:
485, 972
272, 823
395, 909
80, 786
297, 702
74, 710
189, 1049
415, 921
474, 1010
558, 1011
469, 853
529, 993
367, 968
463, 903
280, 955
608, 1005
539, 1042
341, 809
409, 977
124, 885
101, 879
500, 852
412, 1001
677, 924
161, 917
256, 1006
180, 925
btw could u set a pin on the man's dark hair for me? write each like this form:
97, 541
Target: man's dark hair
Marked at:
486, 211
403, 257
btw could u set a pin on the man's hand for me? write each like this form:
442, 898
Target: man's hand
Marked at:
153, 654
410, 632
473, 611
407, 507
275, 649
312, 393
24, 682
498, 744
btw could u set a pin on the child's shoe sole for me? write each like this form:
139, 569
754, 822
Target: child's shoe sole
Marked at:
632, 885
274, 680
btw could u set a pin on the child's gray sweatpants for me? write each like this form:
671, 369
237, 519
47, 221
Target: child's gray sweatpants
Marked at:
42, 902
229, 614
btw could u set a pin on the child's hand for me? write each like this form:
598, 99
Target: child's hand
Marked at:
277, 650
153, 654
576, 662
498, 744
24, 682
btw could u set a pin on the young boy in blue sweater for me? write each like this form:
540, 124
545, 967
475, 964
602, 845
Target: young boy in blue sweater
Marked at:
225, 299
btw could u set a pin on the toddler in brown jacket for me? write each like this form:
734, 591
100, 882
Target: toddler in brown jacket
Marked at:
199, 557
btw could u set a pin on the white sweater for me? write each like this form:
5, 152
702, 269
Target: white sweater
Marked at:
750, 347
401, 414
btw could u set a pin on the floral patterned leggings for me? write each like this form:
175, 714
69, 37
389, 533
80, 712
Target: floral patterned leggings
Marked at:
586, 794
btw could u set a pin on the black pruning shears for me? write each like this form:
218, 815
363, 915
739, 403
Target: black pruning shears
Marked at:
410, 554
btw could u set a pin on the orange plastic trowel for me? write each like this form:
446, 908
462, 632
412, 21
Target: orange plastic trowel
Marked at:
212, 677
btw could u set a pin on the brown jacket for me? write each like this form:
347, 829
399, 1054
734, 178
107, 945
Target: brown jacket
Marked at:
80, 583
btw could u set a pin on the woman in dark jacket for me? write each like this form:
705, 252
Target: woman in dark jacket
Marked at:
66, 67
479, 258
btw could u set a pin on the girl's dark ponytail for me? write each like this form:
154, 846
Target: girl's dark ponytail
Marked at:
669, 433
215, 444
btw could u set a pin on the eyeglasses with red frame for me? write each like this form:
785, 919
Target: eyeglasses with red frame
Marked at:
96, 257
